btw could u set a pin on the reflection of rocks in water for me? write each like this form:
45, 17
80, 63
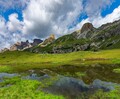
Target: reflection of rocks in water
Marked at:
2, 75
103, 72
72, 87
36, 77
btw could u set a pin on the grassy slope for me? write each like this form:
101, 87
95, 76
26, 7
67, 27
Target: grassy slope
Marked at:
21, 61
64, 42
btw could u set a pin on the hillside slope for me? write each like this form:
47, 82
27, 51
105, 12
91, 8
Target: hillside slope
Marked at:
88, 38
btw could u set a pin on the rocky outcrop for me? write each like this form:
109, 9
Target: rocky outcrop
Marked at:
87, 27
20, 46
36, 42
15, 46
4, 50
74, 48
48, 40
85, 31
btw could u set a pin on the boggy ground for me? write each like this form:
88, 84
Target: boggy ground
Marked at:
37, 74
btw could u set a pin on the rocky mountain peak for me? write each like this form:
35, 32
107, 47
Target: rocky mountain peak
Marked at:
86, 27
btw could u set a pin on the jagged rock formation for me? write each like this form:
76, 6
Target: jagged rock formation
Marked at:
36, 42
20, 46
48, 40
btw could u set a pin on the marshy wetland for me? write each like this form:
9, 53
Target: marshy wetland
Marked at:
79, 75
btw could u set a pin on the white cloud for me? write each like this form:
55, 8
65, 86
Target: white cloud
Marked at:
14, 24
93, 8
3, 28
9, 33
115, 15
99, 20
52, 16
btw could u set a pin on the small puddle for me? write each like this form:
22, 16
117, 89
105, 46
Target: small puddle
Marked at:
3, 75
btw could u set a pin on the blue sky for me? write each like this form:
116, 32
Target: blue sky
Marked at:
29, 19
107, 10
110, 8
8, 12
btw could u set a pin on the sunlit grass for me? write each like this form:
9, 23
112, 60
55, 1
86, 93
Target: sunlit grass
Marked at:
21, 61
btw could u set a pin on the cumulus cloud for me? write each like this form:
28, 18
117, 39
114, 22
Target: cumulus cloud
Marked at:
9, 31
52, 16
99, 20
14, 24
115, 15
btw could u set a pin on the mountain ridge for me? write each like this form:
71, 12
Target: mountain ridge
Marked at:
88, 37
106, 36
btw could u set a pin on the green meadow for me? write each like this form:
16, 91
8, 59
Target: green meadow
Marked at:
21, 61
